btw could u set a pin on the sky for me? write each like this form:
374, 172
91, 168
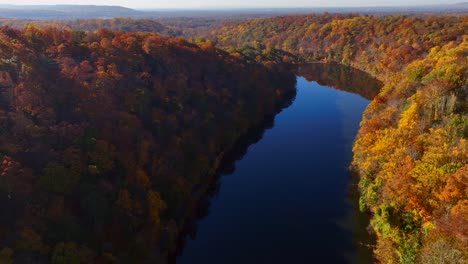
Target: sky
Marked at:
231, 3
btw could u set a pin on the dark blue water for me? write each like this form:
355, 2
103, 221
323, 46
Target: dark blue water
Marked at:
288, 199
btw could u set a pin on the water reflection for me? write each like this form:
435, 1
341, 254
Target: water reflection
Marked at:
285, 199
227, 167
342, 78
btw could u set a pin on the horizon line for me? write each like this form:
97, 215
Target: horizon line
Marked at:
224, 7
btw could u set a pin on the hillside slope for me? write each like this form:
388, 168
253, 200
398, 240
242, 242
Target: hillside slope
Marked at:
65, 11
411, 151
108, 139
114, 24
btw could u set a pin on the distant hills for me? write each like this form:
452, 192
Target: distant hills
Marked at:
71, 12
69, 8
66, 11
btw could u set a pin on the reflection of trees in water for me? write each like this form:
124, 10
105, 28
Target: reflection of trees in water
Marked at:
342, 78
226, 167
332, 75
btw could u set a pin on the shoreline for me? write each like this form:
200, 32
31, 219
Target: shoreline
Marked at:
225, 162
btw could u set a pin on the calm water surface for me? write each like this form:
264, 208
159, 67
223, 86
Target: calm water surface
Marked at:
288, 199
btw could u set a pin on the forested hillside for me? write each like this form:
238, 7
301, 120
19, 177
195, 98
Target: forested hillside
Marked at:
108, 139
115, 24
378, 45
412, 155
187, 27
114, 135
412, 150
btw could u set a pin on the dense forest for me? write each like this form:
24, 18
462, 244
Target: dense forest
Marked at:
380, 46
412, 149
115, 24
107, 139
137, 122
412, 155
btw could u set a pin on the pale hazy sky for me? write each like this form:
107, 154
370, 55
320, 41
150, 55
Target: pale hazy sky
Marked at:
231, 3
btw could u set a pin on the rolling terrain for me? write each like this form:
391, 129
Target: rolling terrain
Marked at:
411, 151
97, 110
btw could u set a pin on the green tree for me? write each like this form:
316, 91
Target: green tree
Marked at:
56, 178
66, 253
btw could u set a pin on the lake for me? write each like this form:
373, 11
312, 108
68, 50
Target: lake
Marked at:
290, 197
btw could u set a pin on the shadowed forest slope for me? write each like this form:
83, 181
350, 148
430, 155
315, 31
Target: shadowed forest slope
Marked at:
107, 139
